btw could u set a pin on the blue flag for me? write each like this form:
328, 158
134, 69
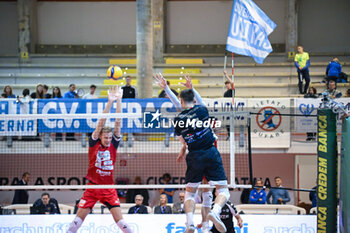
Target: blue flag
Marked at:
249, 30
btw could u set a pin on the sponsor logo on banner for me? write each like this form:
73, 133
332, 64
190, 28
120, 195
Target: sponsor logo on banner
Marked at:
306, 111
98, 223
270, 128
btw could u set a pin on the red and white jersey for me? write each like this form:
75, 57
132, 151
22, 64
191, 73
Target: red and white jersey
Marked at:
101, 161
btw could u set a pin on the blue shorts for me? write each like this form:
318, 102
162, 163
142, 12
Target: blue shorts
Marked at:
204, 163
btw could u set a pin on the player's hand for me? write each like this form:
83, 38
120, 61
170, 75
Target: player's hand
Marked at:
114, 93
161, 81
188, 82
182, 154
240, 223
161, 191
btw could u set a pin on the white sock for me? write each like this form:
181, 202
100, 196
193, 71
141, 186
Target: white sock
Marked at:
75, 225
189, 217
217, 209
124, 226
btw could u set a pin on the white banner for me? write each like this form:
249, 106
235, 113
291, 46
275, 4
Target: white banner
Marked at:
270, 129
14, 127
96, 223
307, 107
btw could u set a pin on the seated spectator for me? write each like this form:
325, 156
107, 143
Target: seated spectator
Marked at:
332, 90
131, 193
39, 92
279, 195
348, 93
8, 92
91, 95
169, 192
46, 94
311, 93
47, 204
163, 208
313, 197
56, 93
333, 70
70, 94
139, 208
179, 207
258, 194
162, 94
245, 195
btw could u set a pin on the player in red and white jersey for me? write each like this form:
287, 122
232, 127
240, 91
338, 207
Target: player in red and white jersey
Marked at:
103, 145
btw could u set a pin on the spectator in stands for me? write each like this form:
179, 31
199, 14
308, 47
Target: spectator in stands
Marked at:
21, 196
348, 93
302, 63
163, 208
312, 93
139, 208
258, 194
178, 207
70, 94
164, 95
8, 92
46, 94
39, 92
129, 92
56, 93
332, 90
47, 204
245, 195
169, 192
333, 70
132, 193
91, 95
279, 195
313, 196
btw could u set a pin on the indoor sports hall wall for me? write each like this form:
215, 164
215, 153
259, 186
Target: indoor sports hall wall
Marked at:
8, 27
323, 27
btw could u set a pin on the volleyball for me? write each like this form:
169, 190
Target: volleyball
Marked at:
114, 72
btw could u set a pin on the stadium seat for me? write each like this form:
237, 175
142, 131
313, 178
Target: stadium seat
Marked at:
184, 61
181, 71
120, 61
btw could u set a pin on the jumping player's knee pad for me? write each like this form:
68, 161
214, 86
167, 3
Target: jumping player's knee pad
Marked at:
225, 192
207, 199
190, 196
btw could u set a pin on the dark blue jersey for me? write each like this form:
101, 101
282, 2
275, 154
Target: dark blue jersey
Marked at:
194, 125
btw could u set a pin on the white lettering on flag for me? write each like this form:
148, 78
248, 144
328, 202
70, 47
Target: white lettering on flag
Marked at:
249, 30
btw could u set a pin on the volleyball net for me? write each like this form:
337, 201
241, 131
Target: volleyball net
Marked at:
53, 148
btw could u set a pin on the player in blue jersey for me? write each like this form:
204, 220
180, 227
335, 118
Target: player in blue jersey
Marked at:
192, 126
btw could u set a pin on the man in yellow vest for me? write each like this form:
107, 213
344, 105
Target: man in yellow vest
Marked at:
302, 63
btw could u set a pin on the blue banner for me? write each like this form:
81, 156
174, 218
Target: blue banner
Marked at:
249, 30
94, 106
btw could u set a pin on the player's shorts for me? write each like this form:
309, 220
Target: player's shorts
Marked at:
204, 163
108, 197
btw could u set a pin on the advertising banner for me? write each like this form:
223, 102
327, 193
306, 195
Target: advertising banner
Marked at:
17, 126
306, 110
152, 223
270, 128
327, 166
